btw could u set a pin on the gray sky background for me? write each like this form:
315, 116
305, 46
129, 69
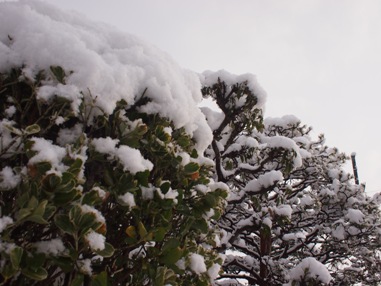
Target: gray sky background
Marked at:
317, 59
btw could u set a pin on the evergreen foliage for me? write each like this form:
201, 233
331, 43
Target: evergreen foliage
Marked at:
94, 199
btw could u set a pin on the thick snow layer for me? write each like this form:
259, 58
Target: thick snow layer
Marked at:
310, 268
284, 121
131, 159
102, 63
208, 78
264, 181
285, 143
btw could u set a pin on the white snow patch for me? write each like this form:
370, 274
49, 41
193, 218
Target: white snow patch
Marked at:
131, 158
197, 263
208, 78
95, 240
51, 247
355, 216
213, 271
4, 222
128, 200
48, 152
8, 178
85, 266
89, 209
69, 135
264, 181
310, 268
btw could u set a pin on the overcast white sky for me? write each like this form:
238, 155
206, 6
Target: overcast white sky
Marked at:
317, 59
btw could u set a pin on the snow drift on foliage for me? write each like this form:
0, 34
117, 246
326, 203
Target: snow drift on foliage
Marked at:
208, 78
310, 268
106, 64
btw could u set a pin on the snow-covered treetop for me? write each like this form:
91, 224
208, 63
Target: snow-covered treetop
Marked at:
106, 64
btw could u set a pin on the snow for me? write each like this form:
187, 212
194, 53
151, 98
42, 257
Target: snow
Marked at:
355, 216
310, 268
213, 271
69, 135
101, 193
103, 65
4, 222
213, 117
197, 263
95, 240
131, 158
85, 266
10, 111
264, 181
285, 143
283, 210
208, 78
128, 200
48, 152
51, 247
105, 145
89, 209
285, 121
8, 178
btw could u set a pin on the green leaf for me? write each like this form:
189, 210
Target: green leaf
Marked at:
38, 274
108, 251
23, 213
65, 263
171, 244
165, 187
35, 260
65, 188
88, 221
191, 168
91, 198
78, 280
40, 209
37, 219
64, 223
61, 198
171, 257
15, 256
8, 271
32, 129
58, 73
142, 230
33, 203
159, 234
100, 279
13, 129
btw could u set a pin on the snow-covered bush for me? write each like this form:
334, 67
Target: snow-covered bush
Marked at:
290, 198
102, 174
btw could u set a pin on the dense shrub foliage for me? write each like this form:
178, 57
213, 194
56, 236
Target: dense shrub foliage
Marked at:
89, 198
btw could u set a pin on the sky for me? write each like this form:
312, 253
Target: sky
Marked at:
319, 60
